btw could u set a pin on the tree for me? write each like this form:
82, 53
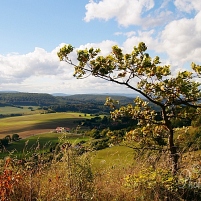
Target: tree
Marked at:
4, 142
173, 95
8, 138
15, 137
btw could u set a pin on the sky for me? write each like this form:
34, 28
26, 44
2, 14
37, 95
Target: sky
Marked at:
33, 31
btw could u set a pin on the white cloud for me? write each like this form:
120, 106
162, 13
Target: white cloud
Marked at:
39, 62
141, 36
181, 39
188, 5
105, 46
36, 71
127, 34
127, 13
41, 71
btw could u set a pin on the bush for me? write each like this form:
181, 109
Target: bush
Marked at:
15, 137
157, 184
67, 176
189, 141
4, 142
100, 144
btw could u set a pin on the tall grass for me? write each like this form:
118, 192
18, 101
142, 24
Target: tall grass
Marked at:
64, 176
67, 174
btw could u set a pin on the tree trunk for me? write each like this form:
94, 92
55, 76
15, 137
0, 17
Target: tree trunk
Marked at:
173, 152
174, 157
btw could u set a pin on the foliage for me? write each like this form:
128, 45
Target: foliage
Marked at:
159, 184
9, 181
29, 99
8, 137
65, 176
15, 137
196, 121
188, 139
11, 103
94, 133
174, 95
99, 144
4, 143
109, 174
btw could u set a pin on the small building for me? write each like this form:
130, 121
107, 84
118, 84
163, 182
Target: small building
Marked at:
62, 129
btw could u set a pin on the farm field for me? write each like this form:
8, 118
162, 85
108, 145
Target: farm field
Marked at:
116, 156
19, 110
30, 125
43, 142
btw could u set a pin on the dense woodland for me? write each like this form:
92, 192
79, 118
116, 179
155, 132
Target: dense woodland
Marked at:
86, 103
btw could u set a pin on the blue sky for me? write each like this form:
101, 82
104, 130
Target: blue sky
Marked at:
32, 31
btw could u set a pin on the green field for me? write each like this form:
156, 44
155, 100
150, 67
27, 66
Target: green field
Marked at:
43, 142
29, 125
37, 129
17, 110
116, 156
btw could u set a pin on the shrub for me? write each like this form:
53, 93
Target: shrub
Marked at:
4, 142
99, 144
15, 137
66, 176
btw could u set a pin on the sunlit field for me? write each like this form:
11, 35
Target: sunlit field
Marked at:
38, 123
19, 110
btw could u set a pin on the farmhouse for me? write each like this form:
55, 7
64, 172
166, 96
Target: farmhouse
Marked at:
62, 129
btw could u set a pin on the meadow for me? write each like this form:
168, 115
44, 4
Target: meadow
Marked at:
113, 173
29, 125
19, 110
38, 129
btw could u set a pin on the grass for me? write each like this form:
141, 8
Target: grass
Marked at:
29, 127
17, 110
29, 124
116, 156
111, 174
42, 141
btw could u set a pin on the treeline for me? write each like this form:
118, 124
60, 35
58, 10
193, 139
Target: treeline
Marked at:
39, 99
90, 108
27, 99
85, 103
8, 139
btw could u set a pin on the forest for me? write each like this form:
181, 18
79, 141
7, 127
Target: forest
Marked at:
86, 103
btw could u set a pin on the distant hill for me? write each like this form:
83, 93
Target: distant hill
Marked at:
60, 94
101, 94
9, 92
26, 99
86, 103
100, 98
42, 99
134, 95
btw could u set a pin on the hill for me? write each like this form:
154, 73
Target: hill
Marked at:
85, 103
27, 99
42, 99
99, 98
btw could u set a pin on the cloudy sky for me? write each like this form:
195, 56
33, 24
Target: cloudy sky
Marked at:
32, 31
